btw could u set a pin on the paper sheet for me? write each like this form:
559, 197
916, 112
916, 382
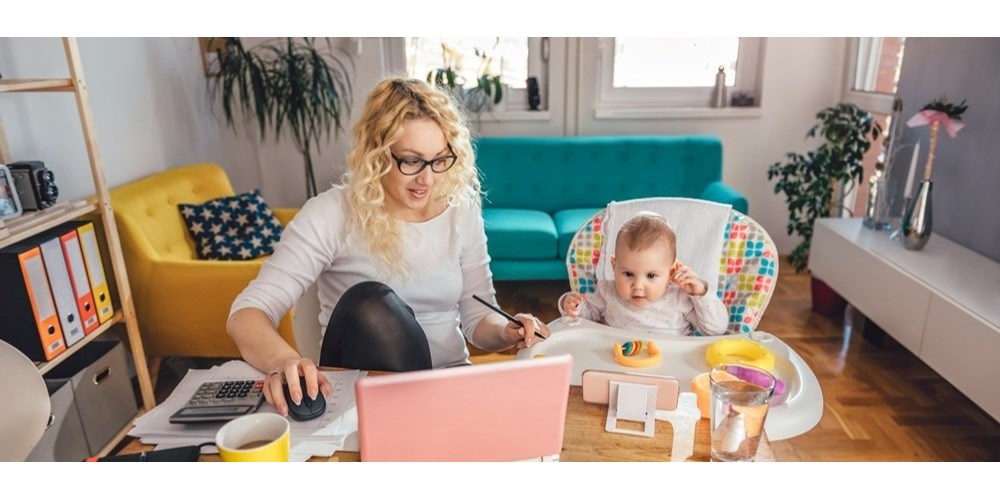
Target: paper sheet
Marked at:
336, 430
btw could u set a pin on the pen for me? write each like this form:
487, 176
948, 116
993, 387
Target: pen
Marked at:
504, 313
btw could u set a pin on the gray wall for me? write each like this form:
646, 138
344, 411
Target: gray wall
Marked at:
966, 175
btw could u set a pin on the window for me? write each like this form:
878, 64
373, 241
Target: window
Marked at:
674, 72
513, 58
873, 65
673, 62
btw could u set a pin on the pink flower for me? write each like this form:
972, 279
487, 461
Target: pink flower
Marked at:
928, 116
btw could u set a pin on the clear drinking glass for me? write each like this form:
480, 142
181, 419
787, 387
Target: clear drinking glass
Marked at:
740, 398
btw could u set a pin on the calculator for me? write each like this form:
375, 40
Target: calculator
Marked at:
221, 401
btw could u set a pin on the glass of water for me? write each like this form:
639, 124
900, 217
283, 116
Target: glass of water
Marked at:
740, 398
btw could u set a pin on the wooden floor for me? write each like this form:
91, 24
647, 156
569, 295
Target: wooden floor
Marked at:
880, 403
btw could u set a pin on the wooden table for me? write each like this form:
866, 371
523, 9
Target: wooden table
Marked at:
584, 440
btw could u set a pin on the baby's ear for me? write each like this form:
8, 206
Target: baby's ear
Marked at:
612, 262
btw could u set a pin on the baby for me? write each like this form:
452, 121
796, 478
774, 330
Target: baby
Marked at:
653, 292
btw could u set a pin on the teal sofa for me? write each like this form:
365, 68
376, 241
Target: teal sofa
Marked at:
540, 190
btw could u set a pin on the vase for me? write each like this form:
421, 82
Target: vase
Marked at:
917, 220
476, 101
719, 92
877, 203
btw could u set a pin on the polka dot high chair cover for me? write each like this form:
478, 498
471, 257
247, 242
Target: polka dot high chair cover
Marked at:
748, 266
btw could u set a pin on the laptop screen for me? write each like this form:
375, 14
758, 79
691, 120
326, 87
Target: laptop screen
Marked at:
511, 410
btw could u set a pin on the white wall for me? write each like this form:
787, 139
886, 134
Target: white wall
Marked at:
148, 101
152, 113
800, 77
277, 168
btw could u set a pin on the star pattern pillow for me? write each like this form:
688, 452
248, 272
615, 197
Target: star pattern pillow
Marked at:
237, 227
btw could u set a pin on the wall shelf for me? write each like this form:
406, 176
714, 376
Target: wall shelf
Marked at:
36, 85
14, 230
32, 223
46, 366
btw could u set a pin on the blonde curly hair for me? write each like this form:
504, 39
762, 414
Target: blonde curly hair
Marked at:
389, 106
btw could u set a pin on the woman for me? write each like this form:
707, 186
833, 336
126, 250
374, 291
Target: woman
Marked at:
397, 254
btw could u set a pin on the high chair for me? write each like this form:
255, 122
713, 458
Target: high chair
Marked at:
748, 264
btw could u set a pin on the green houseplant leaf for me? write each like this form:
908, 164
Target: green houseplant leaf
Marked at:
284, 85
808, 180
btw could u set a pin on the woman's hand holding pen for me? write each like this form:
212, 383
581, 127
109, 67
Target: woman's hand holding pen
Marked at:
525, 333
522, 329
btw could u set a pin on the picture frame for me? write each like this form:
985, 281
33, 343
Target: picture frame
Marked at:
208, 46
10, 204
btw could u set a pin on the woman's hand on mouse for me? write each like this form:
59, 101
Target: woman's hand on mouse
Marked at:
289, 372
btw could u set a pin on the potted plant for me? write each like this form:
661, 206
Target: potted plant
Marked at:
285, 84
488, 88
810, 181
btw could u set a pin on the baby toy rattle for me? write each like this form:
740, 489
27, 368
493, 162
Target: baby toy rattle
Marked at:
626, 354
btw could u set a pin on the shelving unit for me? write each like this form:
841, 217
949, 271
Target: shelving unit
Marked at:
32, 223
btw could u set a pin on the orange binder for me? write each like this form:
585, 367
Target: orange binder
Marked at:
28, 319
95, 270
78, 278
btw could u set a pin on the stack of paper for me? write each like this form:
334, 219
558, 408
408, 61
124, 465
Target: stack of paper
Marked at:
336, 430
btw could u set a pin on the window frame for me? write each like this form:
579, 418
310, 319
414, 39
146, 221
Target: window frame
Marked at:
873, 102
609, 98
539, 50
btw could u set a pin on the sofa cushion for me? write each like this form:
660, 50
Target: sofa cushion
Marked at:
568, 222
237, 227
562, 173
519, 234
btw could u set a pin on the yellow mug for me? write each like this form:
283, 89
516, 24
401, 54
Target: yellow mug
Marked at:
260, 437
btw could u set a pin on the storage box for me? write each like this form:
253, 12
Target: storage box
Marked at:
102, 390
63, 441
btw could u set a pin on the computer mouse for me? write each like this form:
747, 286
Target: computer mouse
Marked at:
308, 409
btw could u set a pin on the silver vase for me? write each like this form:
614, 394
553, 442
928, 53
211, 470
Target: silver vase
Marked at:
917, 220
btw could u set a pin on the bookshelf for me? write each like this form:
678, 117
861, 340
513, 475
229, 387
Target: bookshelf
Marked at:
31, 223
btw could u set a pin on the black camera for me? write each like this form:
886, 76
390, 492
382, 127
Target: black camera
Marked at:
35, 184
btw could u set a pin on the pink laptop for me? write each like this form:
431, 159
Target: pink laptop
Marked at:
513, 410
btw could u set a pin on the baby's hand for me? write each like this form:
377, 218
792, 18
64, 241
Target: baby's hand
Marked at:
688, 280
571, 304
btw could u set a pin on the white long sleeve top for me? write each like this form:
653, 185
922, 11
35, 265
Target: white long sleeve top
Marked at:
448, 263
676, 313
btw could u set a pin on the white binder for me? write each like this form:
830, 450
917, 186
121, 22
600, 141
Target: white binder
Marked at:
62, 290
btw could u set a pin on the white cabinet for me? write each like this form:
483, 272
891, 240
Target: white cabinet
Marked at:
965, 351
884, 294
942, 303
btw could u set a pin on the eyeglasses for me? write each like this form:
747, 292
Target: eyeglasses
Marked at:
413, 165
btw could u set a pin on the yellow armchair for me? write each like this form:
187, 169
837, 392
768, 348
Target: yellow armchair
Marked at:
181, 302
